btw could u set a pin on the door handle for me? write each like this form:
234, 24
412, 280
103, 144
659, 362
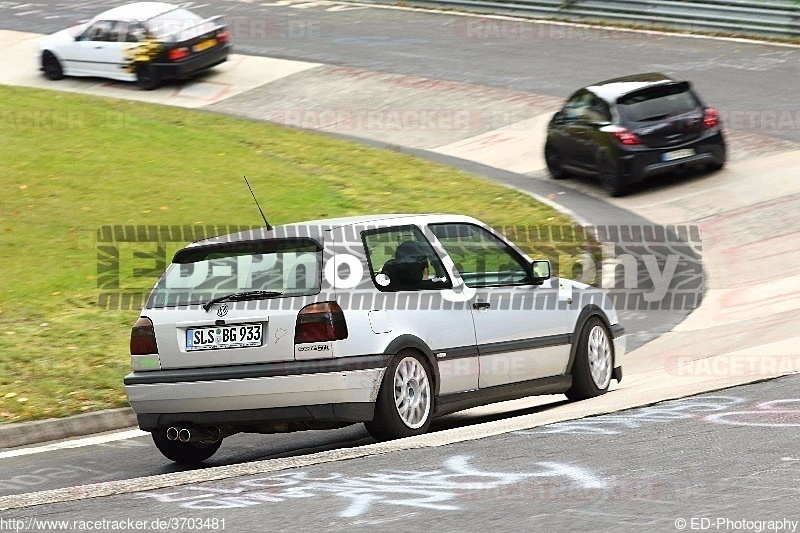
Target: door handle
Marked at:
481, 305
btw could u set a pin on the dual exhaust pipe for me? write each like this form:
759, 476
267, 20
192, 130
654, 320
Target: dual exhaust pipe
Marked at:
194, 434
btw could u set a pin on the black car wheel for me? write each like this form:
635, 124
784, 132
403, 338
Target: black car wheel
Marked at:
147, 78
51, 66
611, 176
184, 452
554, 163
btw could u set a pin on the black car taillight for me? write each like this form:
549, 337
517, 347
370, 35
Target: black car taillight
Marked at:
143, 337
319, 323
627, 138
711, 118
223, 36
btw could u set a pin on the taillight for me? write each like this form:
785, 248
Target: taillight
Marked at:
223, 36
143, 337
319, 323
178, 53
627, 138
711, 118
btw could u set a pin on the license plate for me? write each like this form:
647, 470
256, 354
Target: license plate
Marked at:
204, 45
677, 154
216, 337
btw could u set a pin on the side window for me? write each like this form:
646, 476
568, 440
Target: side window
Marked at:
598, 110
481, 258
577, 108
99, 31
119, 32
402, 259
136, 33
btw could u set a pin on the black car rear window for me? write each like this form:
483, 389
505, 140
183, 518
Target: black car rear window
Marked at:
658, 102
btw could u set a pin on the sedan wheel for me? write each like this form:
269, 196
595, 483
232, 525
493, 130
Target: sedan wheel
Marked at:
594, 362
147, 77
405, 400
51, 66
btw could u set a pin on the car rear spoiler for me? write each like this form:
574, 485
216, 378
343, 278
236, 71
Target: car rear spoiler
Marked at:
216, 19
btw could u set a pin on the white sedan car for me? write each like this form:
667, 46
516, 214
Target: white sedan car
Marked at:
145, 42
388, 320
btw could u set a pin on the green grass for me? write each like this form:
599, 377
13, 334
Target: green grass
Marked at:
71, 164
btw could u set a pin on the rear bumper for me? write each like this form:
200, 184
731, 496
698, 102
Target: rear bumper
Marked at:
194, 65
641, 164
161, 398
276, 419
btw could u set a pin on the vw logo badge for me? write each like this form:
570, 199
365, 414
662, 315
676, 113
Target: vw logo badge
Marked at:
223, 310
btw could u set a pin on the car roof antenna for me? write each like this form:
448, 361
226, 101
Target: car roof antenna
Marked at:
269, 226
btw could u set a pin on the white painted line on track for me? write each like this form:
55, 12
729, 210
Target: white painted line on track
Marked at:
75, 443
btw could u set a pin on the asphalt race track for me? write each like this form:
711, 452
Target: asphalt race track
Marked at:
545, 59
721, 461
726, 460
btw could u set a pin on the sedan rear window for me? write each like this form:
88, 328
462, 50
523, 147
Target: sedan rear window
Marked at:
658, 102
176, 22
287, 267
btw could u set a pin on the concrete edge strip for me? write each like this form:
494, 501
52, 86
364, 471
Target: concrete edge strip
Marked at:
24, 433
441, 438
68, 444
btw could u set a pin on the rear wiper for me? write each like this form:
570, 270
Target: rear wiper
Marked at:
240, 297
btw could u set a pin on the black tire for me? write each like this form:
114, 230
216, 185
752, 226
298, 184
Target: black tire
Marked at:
554, 163
184, 452
147, 78
612, 179
592, 372
406, 382
51, 66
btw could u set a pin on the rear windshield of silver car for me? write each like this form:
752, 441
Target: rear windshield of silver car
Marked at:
658, 102
288, 267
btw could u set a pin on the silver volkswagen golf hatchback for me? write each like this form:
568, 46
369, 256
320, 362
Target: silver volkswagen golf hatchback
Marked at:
387, 320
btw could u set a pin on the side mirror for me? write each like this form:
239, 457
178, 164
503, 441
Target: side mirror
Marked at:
558, 118
540, 271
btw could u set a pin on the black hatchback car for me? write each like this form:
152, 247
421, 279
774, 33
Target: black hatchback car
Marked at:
628, 129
